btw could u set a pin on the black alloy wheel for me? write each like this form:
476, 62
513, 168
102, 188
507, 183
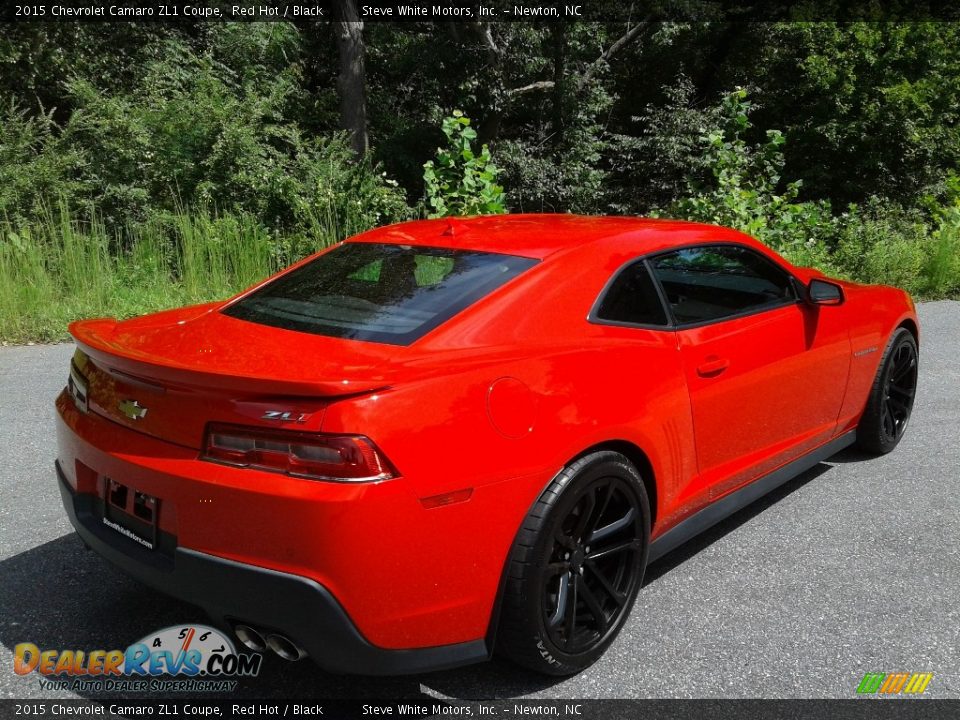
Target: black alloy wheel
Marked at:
576, 566
890, 403
594, 565
901, 387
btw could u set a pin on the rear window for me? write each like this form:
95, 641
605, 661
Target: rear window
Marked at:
382, 293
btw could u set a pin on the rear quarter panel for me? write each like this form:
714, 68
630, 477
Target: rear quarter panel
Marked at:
571, 385
441, 436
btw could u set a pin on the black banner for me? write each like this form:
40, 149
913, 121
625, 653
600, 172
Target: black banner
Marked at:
185, 11
856, 709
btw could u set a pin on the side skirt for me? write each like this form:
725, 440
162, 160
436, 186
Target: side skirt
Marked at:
726, 506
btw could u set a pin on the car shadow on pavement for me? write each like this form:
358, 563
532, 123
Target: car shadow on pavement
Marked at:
60, 596
852, 454
704, 540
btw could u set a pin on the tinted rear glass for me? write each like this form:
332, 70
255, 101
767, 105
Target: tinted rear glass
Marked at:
382, 293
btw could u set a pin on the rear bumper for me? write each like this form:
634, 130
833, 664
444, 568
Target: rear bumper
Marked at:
232, 592
408, 576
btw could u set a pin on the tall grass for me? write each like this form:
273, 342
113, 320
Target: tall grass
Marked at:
60, 268
942, 264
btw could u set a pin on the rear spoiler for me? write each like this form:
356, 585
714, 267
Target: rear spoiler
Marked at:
93, 337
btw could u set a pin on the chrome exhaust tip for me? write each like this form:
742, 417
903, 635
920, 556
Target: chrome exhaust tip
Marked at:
285, 647
250, 637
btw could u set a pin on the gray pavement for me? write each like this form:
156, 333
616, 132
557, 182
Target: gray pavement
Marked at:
853, 567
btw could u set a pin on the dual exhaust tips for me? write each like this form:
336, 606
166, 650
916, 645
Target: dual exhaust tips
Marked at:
261, 641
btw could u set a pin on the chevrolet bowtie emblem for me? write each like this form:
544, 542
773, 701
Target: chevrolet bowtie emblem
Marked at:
132, 409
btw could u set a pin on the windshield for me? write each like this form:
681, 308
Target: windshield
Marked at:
383, 293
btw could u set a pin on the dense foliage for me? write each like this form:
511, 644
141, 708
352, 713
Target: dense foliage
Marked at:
159, 155
460, 181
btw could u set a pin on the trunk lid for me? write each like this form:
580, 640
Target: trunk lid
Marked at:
169, 374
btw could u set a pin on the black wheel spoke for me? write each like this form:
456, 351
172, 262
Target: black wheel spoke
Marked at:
592, 604
620, 547
584, 520
605, 503
906, 394
618, 598
570, 613
563, 596
902, 369
896, 404
886, 420
613, 528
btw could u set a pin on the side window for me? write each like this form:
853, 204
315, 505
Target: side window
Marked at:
633, 298
717, 281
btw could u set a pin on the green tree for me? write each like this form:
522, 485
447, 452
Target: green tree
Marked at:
746, 190
869, 108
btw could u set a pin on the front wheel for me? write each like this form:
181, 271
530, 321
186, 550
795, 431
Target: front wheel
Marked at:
576, 566
891, 398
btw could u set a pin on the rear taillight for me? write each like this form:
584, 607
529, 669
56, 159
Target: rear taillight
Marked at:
349, 458
77, 387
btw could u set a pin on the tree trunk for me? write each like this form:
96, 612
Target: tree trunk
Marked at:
558, 33
496, 97
352, 82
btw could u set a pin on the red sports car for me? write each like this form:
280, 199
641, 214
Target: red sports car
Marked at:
442, 439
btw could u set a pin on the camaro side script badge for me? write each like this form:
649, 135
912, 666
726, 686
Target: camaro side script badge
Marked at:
132, 409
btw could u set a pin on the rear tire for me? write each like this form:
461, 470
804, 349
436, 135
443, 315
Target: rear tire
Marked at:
890, 403
576, 566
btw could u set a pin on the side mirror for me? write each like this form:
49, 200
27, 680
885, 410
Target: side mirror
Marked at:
824, 292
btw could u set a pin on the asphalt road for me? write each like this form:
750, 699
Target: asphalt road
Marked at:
853, 567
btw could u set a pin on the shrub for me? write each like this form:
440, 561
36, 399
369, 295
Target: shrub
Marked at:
941, 268
876, 242
191, 134
666, 151
199, 142
745, 187
459, 181
880, 242
33, 162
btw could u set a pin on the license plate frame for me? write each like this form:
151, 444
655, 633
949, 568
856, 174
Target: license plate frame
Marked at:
131, 513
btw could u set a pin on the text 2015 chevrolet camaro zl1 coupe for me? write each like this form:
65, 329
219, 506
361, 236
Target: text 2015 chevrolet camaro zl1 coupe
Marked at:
442, 439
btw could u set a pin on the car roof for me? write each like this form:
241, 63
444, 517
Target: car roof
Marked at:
541, 235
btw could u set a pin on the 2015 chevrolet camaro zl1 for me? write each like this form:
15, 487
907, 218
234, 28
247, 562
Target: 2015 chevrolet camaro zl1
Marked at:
444, 438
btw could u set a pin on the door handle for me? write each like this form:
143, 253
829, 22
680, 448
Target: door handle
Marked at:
712, 367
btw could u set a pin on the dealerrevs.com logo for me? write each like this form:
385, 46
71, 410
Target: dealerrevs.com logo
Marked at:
191, 658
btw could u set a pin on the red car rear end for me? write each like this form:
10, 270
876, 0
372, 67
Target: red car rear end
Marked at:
439, 434
198, 452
